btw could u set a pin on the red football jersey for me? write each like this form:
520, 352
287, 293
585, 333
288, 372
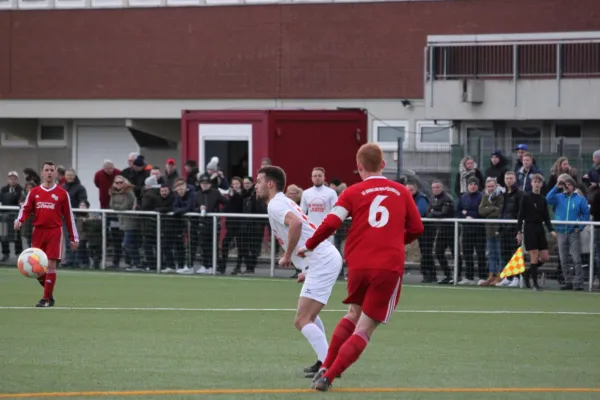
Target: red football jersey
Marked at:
49, 207
384, 218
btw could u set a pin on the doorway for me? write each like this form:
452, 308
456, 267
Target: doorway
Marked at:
231, 143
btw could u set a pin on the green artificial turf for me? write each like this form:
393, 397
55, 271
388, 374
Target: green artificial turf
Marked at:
120, 349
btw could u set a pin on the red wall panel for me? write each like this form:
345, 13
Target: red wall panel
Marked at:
5, 56
364, 50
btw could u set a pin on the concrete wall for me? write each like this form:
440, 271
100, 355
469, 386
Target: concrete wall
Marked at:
535, 99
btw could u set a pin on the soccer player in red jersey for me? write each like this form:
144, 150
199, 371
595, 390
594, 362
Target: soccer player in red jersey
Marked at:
384, 219
49, 204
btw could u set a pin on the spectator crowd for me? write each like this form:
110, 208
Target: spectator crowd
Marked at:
495, 193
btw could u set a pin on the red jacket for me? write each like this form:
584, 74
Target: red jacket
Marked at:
103, 182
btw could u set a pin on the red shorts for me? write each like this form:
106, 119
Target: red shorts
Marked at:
48, 240
377, 291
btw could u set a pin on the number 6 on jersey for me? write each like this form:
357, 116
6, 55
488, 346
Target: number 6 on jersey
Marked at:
378, 214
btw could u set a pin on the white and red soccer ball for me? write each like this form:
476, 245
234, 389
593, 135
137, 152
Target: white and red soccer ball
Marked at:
32, 262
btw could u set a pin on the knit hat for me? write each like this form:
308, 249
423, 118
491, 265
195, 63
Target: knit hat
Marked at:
473, 180
213, 164
151, 181
139, 161
497, 153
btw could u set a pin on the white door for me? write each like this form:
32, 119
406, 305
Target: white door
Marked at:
96, 144
222, 133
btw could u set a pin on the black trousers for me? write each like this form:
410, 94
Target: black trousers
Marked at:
426, 242
18, 245
234, 233
473, 241
443, 241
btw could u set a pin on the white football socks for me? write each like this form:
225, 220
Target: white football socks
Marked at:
316, 338
319, 323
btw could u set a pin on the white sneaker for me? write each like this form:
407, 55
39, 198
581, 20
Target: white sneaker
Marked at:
209, 271
185, 271
466, 281
202, 270
503, 282
516, 282
167, 271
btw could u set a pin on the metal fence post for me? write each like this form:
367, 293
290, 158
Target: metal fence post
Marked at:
272, 255
215, 244
456, 252
592, 256
158, 244
189, 260
104, 238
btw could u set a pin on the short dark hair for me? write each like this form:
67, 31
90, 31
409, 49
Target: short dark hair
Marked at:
274, 174
50, 163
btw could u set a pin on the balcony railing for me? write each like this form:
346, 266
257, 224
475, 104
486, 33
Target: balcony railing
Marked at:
531, 56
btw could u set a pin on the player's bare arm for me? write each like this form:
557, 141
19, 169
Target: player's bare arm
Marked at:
295, 229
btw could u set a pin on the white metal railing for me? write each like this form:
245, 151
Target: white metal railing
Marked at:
456, 223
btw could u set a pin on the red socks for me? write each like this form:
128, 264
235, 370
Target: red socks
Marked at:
42, 280
342, 332
348, 354
49, 285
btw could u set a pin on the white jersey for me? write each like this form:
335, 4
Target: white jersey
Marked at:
317, 203
278, 208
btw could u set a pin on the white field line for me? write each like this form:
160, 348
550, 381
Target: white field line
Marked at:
176, 309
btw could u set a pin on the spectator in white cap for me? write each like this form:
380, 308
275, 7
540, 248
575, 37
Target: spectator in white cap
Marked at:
10, 196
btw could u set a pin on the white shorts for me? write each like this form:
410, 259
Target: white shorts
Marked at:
320, 278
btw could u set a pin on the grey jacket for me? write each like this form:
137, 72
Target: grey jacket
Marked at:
124, 201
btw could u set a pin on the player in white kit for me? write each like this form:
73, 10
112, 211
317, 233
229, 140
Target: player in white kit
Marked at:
320, 267
318, 201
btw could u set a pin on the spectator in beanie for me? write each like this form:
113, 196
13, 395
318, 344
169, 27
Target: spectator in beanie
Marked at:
466, 170
139, 172
208, 200
103, 179
473, 235
191, 169
498, 167
217, 177
171, 173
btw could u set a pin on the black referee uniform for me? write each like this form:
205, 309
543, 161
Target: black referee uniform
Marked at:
533, 214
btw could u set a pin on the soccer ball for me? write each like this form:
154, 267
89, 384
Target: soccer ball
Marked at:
32, 263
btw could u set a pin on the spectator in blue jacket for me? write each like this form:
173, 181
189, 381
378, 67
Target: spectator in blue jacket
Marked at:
183, 204
420, 199
569, 206
473, 237
525, 172
427, 239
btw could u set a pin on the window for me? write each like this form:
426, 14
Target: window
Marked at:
387, 133
434, 135
10, 140
529, 135
571, 139
52, 134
